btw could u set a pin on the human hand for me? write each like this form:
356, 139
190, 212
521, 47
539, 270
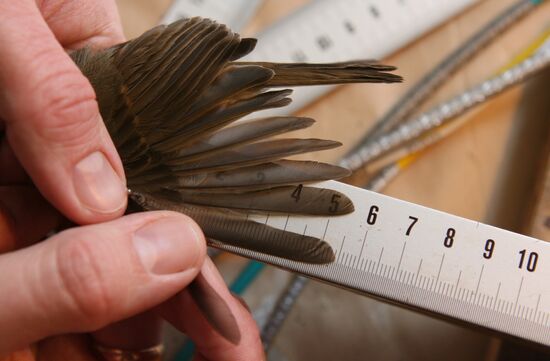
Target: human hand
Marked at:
53, 139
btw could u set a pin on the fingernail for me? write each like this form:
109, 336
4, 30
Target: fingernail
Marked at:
97, 185
168, 246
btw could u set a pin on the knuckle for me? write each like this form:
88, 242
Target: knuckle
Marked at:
84, 283
63, 108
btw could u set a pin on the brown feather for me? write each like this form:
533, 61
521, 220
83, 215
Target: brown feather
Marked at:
234, 229
300, 74
169, 98
301, 199
281, 172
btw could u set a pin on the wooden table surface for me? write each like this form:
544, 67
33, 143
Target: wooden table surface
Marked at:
458, 176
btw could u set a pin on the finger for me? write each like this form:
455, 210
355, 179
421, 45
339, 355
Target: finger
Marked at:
79, 23
221, 327
25, 217
85, 278
53, 122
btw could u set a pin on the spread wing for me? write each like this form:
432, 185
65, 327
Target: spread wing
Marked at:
169, 99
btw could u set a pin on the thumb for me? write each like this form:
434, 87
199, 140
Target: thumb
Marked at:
85, 278
52, 120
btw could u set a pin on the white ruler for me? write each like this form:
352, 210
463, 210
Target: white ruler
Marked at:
234, 13
429, 261
328, 30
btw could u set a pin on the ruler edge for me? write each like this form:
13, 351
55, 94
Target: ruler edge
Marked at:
400, 304
403, 305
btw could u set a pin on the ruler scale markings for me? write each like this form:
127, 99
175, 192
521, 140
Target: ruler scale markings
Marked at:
488, 302
341, 246
448, 288
379, 259
424, 280
479, 280
401, 257
364, 242
418, 272
519, 312
440, 287
472, 297
410, 277
379, 267
537, 306
519, 292
418, 281
385, 271
462, 294
508, 307
440, 267
492, 303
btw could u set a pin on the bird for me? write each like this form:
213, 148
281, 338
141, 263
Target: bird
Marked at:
171, 100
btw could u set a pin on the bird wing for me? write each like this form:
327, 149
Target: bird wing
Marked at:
169, 98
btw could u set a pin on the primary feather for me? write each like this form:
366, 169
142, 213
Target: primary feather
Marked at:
169, 98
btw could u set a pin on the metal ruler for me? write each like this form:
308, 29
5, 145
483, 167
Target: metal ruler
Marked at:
327, 30
430, 261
